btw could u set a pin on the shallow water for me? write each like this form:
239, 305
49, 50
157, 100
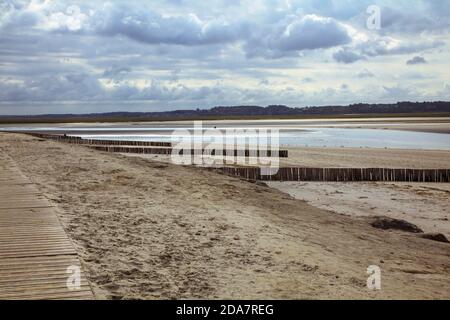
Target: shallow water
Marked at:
254, 132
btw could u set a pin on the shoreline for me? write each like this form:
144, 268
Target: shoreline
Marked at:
415, 124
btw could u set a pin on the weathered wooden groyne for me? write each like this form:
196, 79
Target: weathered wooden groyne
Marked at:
137, 150
256, 173
212, 152
148, 147
79, 140
340, 174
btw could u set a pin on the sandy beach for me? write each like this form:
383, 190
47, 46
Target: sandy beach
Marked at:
150, 230
424, 204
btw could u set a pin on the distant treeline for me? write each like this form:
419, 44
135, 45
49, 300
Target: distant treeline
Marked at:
249, 112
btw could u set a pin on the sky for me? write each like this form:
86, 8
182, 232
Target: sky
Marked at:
98, 56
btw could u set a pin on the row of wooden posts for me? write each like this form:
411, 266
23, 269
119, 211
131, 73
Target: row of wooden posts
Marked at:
79, 140
212, 152
139, 147
339, 174
256, 173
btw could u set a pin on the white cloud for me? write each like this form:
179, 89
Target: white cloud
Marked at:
71, 20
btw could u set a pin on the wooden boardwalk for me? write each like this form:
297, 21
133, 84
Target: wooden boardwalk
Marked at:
35, 252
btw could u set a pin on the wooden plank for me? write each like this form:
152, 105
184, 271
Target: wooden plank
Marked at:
52, 295
35, 252
45, 293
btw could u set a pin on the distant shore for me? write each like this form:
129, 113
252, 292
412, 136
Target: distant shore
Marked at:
47, 119
432, 124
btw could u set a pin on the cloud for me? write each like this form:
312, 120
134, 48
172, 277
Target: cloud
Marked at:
71, 20
390, 46
116, 72
416, 60
88, 88
383, 46
148, 26
307, 80
399, 93
311, 32
67, 87
365, 74
347, 56
292, 33
295, 34
16, 15
404, 21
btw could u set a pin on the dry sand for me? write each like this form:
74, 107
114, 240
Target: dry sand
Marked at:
146, 229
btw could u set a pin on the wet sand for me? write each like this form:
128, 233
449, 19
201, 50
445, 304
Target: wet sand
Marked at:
150, 230
424, 204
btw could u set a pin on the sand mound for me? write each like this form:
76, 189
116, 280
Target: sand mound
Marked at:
386, 223
439, 237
